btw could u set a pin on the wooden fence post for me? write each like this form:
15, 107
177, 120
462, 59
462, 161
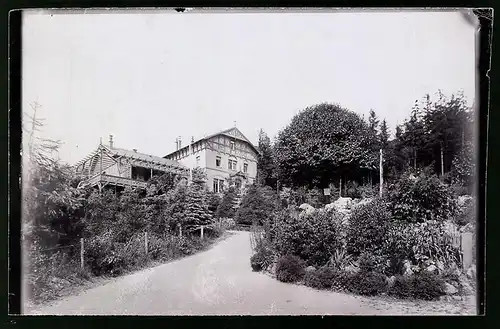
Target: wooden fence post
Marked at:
201, 232
180, 231
81, 253
146, 241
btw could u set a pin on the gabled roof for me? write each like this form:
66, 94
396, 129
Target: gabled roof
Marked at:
133, 155
231, 132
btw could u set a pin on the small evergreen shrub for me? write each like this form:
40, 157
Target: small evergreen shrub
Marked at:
290, 268
422, 285
367, 283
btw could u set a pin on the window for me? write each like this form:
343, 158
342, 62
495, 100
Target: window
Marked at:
245, 167
217, 161
232, 145
218, 185
232, 164
197, 161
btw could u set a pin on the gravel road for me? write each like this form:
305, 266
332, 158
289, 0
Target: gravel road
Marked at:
219, 281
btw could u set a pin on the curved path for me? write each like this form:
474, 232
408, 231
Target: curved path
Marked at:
218, 281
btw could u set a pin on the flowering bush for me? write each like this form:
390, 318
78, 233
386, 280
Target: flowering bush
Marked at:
421, 198
313, 237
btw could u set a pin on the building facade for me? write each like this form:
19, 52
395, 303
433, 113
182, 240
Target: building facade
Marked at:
227, 157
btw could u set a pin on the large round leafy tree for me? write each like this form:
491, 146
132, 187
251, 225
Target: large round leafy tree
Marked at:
321, 144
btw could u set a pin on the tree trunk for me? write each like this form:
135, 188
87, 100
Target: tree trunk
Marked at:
442, 159
340, 187
381, 173
415, 158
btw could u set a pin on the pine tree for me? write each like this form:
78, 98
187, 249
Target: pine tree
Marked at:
384, 135
373, 122
196, 212
227, 207
265, 166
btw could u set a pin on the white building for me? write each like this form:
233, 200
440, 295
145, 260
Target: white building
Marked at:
225, 155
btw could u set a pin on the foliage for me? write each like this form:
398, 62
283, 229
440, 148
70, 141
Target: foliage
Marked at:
262, 259
466, 213
368, 227
290, 268
367, 283
213, 201
463, 166
353, 190
423, 285
322, 278
227, 207
266, 172
421, 197
372, 262
313, 237
340, 259
257, 206
420, 243
383, 135
196, 210
321, 143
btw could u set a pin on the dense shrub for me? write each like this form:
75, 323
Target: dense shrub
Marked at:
421, 198
257, 206
419, 243
467, 213
422, 285
353, 190
372, 262
368, 191
313, 237
227, 206
368, 227
340, 259
290, 268
263, 257
322, 278
367, 283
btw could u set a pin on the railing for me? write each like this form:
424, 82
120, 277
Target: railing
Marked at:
115, 180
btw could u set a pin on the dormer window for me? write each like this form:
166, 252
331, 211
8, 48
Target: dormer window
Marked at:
233, 145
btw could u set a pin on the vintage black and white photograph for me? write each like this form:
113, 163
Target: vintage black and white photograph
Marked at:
249, 162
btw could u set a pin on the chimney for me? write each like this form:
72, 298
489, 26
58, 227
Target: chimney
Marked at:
135, 150
111, 141
177, 143
180, 142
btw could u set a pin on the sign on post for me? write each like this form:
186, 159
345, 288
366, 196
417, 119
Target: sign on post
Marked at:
326, 191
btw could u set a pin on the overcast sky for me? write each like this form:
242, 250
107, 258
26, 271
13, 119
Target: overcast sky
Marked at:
147, 78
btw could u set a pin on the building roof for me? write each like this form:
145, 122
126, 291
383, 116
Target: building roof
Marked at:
134, 155
231, 132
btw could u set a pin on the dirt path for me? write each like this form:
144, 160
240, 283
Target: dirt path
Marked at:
219, 281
